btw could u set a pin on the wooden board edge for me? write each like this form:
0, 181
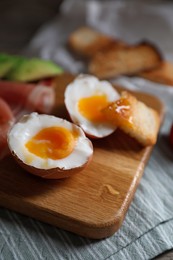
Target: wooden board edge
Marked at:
106, 228
90, 230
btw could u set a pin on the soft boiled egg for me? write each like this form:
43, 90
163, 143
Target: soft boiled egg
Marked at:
85, 98
48, 146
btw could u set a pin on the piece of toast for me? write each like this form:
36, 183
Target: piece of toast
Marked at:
127, 60
134, 118
86, 41
162, 74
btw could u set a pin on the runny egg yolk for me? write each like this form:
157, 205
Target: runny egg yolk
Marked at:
52, 142
91, 107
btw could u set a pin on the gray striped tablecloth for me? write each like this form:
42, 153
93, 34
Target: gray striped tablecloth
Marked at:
148, 227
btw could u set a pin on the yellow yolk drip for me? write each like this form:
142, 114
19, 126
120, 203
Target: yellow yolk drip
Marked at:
120, 113
91, 107
52, 142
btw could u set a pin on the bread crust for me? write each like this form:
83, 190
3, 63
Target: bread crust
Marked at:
127, 60
86, 42
53, 173
109, 57
162, 74
134, 118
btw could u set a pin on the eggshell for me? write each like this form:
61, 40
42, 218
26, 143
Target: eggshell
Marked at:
54, 173
86, 86
49, 168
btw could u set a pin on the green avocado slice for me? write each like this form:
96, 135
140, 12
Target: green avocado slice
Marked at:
7, 62
33, 69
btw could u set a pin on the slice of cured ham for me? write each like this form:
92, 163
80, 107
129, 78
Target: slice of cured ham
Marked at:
41, 99
17, 99
6, 120
5, 112
33, 97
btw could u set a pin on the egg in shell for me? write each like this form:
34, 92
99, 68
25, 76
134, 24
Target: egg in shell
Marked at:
85, 98
48, 146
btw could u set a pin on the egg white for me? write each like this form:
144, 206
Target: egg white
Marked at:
85, 86
30, 125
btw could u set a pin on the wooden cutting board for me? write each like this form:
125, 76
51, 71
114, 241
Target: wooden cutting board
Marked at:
92, 203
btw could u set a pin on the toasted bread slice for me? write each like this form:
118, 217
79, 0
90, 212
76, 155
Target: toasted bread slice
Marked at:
162, 74
127, 60
134, 118
86, 41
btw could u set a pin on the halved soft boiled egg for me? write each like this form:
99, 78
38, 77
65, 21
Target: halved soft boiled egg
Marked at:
48, 146
85, 98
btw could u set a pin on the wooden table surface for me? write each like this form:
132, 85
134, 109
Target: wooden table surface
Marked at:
20, 20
